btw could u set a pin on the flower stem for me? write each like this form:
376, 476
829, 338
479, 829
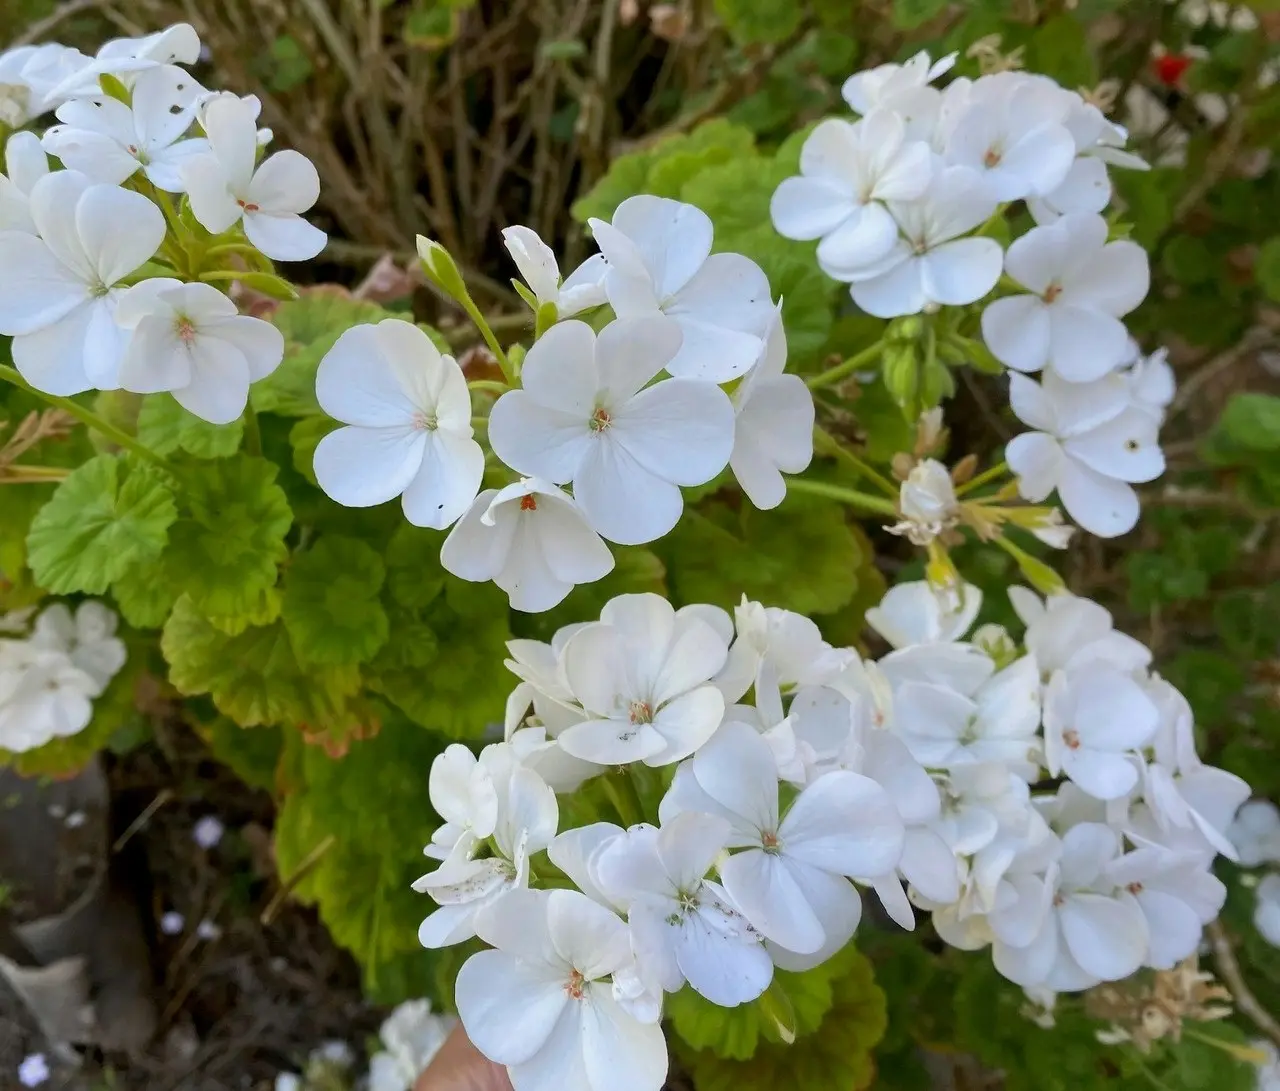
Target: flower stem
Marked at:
846, 367
486, 331
852, 497
622, 795
252, 432
488, 386
88, 417
982, 478
828, 444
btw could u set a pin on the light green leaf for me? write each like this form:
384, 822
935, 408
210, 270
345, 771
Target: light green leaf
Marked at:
331, 606
254, 677
165, 427
108, 515
144, 595
753, 22
226, 549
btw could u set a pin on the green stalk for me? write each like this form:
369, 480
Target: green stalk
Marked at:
982, 478
846, 367
852, 497
252, 432
88, 417
508, 372
828, 444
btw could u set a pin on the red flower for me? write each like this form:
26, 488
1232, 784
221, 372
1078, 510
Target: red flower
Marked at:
1170, 67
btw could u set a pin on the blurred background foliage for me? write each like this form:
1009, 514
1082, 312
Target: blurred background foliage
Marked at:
455, 118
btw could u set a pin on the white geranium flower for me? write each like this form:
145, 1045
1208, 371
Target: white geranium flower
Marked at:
585, 415
579, 291
1067, 631
998, 723
683, 926
659, 256
127, 58
1088, 445
883, 85
25, 164
411, 1037
463, 793
542, 1004
88, 637
109, 141
931, 264
191, 340
1266, 909
408, 415
1199, 802
207, 831
59, 288
847, 172
531, 540
1255, 833
792, 880
225, 188
43, 696
34, 1070
915, 613
1080, 286
31, 77
525, 819
777, 649
643, 675
1092, 930
1178, 897
1011, 132
927, 501
1095, 719
773, 425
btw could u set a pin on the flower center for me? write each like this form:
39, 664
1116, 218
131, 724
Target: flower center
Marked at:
1072, 738
427, 422
185, 329
640, 712
248, 206
1134, 888
529, 503
576, 985
1131, 445
1052, 292
600, 420
992, 158
769, 842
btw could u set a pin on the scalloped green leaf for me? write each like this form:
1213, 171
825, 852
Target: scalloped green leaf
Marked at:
226, 550
107, 516
254, 677
331, 606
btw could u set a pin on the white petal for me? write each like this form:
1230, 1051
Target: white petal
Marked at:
375, 380
53, 359
261, 343
361, 467
735, 768
447, 481
1101, 505
729, 292
1114, 281
508, 1007
761, 885
808, 208
533, 439
1038, 462
674, 239
712, 354
1085, 344
629, 352
1016, 330
679, 430
219, 387
837, 906
208, 190
961, 272
286, 183
725, 968
1173, 926
284, 238
120, 230
1124, 448
865, 237
156, 358
688, 846
35, 288
1102, 775
686, 723
586, 935
1106, 936
231, 123
897, 291
623, 501
574, 551
619, 1052
844, 823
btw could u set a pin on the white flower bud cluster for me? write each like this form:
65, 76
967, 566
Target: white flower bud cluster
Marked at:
92, 269
51, 675
1041, 798
901, 200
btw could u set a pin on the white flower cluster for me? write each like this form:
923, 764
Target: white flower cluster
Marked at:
94, 253
900, 200
1255, 833
627, 414
911, 776
50, 676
